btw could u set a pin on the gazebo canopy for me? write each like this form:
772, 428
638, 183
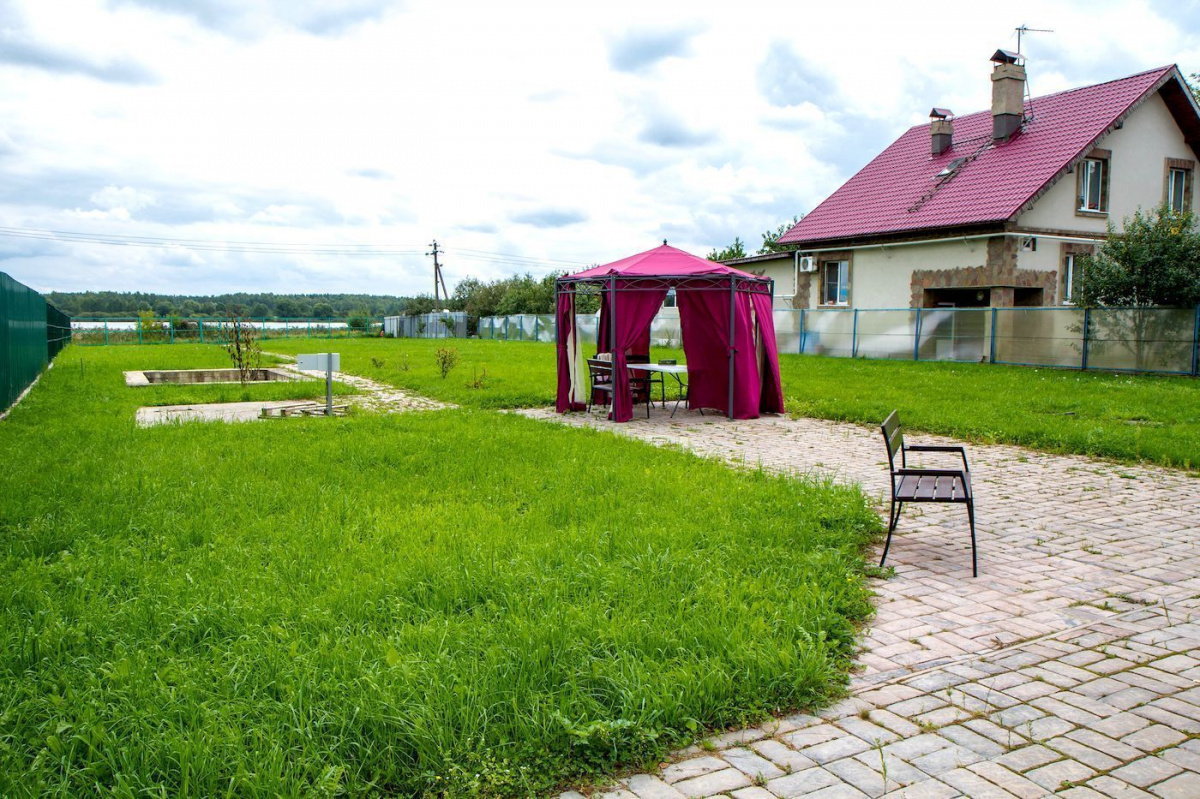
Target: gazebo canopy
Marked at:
661, 262
726, 320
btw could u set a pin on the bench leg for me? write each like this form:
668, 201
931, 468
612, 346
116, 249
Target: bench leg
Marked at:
893, 519
974, 557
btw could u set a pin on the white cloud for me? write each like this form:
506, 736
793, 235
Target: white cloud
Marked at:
542, 128
126, 198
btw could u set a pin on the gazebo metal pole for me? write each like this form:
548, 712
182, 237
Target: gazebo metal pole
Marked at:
732, 306
612, 340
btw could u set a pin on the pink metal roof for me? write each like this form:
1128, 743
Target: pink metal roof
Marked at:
899, 190
662, 261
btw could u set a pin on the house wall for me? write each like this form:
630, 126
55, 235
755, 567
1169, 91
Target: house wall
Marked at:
1136, 179
882, 277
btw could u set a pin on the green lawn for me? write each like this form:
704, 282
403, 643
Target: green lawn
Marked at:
1123, 417
458, 602
518, 374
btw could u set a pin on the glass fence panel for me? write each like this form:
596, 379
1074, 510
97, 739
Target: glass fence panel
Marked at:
546, 328
828, 333
529, 327
886, 334
1040, 336
587, 327
950, 334
787, 330
665, 330
512, 328
1142, 339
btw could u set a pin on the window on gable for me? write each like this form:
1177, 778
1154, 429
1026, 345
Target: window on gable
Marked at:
835, 283
1093, 185
1179, 185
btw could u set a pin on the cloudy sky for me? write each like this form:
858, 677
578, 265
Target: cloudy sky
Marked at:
251, 145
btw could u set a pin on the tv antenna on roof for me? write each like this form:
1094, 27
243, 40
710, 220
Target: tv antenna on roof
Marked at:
1023, 29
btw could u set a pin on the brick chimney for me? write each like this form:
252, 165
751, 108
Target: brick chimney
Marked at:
941, 129
1008, 94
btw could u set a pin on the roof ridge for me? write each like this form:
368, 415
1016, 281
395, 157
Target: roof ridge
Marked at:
1033, 100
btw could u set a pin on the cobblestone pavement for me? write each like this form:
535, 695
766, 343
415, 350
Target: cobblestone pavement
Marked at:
374, 396
1070, 665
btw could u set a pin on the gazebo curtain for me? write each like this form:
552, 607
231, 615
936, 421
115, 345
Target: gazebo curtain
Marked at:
635, 309
569, 396
704, 319
771, 397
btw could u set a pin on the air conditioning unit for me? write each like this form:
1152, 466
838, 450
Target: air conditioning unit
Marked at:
806, 263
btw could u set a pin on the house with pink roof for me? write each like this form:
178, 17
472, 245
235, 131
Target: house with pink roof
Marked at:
993, 208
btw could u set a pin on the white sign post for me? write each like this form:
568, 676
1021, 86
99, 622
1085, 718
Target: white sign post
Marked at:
328, 362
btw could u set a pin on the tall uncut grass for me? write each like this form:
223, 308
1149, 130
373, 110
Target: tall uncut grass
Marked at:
455, 603
1124, 417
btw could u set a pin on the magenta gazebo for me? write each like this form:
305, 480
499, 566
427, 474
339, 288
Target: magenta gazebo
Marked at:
725, 317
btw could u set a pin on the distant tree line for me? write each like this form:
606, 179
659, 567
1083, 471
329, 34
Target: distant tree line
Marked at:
511, 295
133, 303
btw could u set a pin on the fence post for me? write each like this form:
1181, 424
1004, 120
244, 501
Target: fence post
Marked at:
285, 327
917, 337
171, 330
1087, 332
506, 328
536, 321
854, 336
993, 343
1196, 345
105, 331
329, 329
200, 321
800, 351
139, 327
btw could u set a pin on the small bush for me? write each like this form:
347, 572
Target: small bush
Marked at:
447, 359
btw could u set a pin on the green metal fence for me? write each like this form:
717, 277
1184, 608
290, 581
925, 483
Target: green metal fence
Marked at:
32, 331
210, 330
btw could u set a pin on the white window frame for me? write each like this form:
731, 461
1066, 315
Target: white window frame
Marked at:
1092, 176
1069, 271
842, 283
1177, 190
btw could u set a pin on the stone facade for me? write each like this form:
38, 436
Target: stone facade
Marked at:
999, 275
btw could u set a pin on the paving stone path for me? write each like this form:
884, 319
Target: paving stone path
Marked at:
373, 395
1070, 666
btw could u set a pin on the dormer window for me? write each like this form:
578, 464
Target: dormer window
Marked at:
1093, 185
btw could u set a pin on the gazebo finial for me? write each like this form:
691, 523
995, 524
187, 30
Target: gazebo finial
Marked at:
664, 242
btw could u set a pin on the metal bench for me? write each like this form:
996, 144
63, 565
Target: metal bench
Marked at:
925, 485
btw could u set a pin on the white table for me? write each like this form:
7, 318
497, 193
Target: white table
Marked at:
676, 370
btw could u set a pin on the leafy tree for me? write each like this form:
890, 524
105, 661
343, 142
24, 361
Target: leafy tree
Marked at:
735, 250
1152, 264
322, 309
770, 239
1153, 261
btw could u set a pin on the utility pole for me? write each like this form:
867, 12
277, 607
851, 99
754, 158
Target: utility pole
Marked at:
438, 281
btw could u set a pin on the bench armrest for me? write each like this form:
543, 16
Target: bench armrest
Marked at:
931, 473
939, 448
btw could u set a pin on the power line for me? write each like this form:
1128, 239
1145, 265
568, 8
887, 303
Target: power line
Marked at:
269, 248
